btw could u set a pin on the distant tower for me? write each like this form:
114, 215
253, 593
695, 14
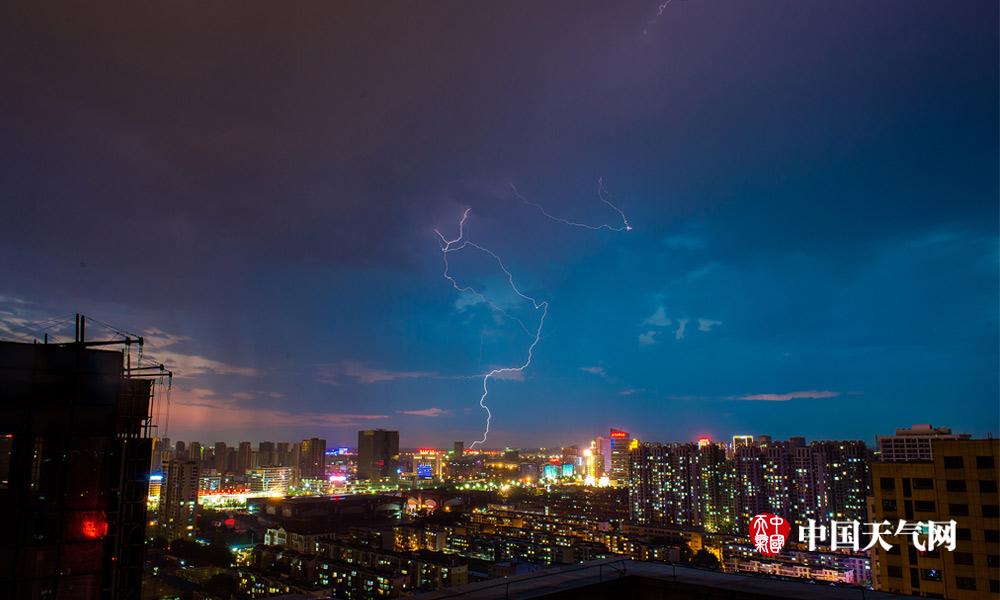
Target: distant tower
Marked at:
244, 458
620, 441
265, 454
459, 450
378, 454
312, 459
194, 452
220, 457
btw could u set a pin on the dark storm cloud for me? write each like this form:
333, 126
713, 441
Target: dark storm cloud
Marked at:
262, 180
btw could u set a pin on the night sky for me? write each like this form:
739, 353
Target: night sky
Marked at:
813, 188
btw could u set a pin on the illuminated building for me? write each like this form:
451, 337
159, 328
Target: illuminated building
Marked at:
830, 480
849, 487
649, 472
603, 449
209, 483
748, 481
619, 443
715, 501
312, 459
179, 500
914, 443
550, 472
959, 484
809, 489
664, 485
361, 575
271, 479
378, 454
778, 477
153, 495
705, 485
428, 463
593, 463
75, 453
828, 567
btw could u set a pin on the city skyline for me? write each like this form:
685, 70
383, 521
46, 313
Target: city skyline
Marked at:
813, 247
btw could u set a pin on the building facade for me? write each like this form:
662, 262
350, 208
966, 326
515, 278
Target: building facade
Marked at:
959, 484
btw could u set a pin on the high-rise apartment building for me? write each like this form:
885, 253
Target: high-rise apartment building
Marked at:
312, 459
720, 489
914, 443
221, 453
960, 484
244, 458
195, 452
265, 455
179, 500
378, 454
849, 482
749, 498
664, 485
715, 477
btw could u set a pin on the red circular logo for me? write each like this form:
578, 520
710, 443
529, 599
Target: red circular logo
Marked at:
769, 533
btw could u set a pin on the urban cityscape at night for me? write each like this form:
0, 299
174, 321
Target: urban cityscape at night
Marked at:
681, 299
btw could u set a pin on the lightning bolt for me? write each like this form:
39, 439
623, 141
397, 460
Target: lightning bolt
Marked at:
659, 13
462, 242
602, 193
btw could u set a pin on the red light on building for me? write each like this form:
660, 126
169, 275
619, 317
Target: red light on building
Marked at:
94, 525
618, 434
230, 522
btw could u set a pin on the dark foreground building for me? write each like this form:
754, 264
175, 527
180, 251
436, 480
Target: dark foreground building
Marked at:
74, 470
622, 578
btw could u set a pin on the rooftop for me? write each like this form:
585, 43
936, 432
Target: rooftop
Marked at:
622, 578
